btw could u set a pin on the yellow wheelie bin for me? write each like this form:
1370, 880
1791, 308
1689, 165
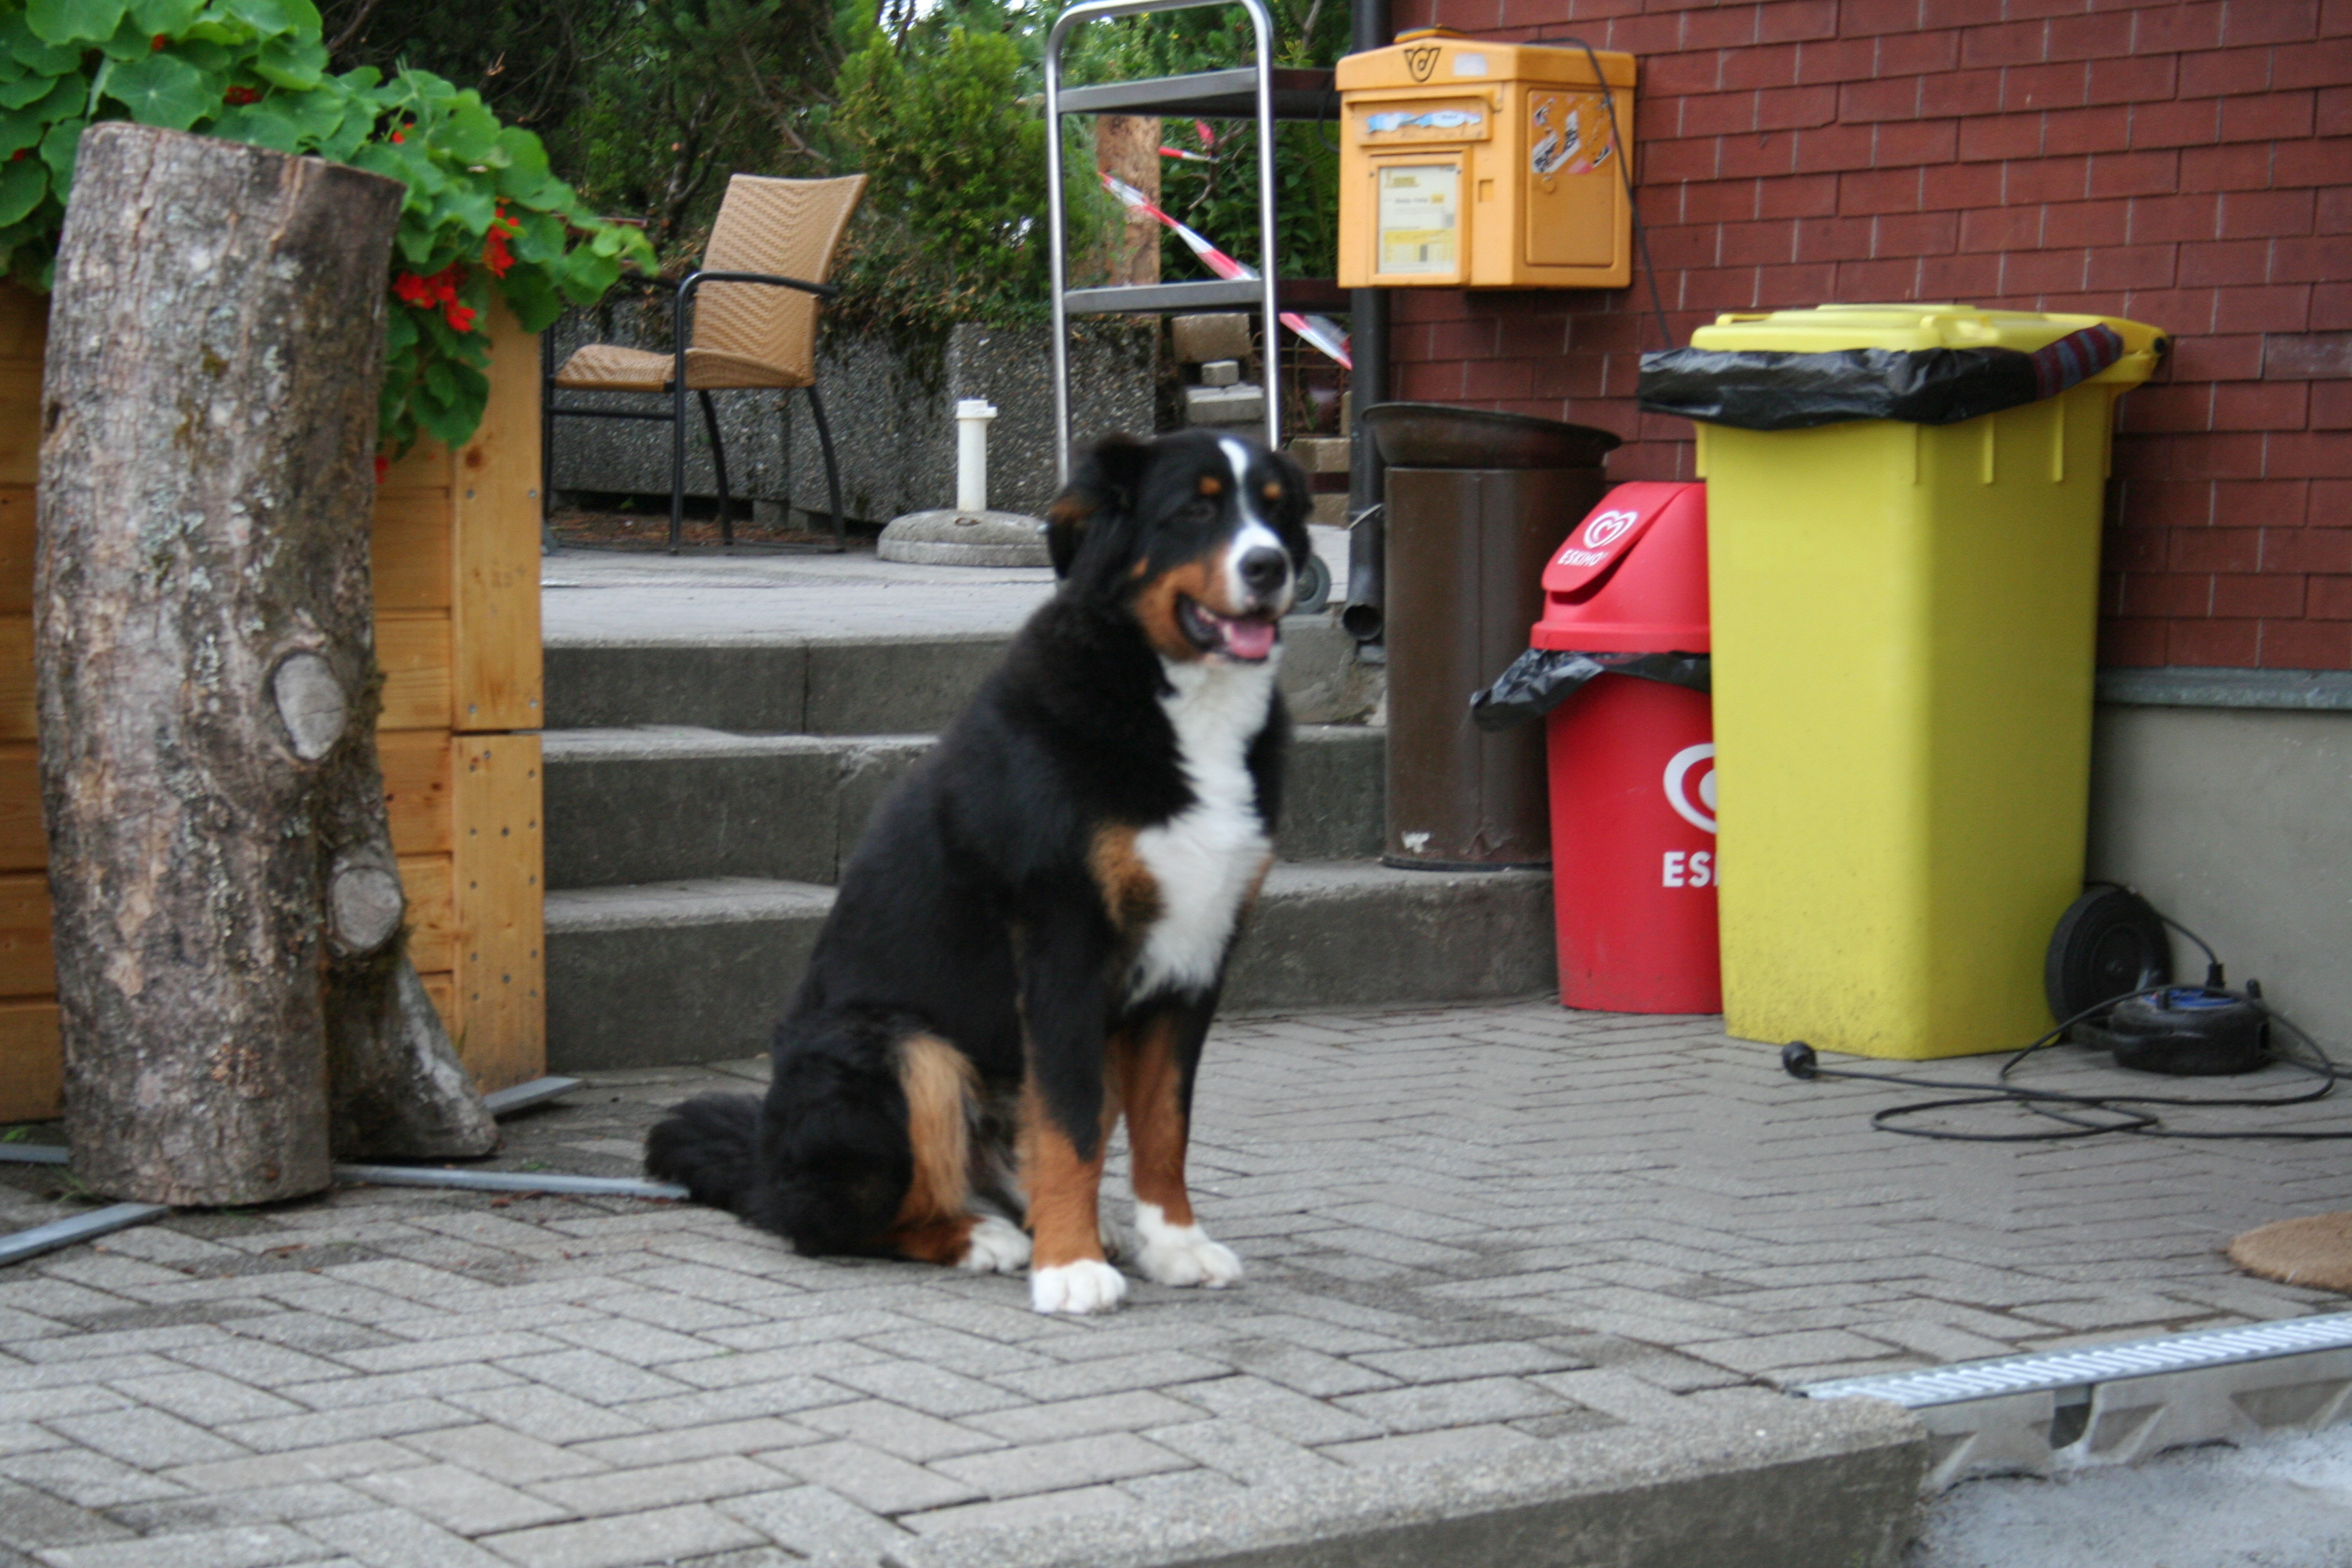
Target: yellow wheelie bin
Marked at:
1905, 598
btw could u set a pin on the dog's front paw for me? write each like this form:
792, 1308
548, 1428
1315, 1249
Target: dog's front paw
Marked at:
1183, 1254
1090, 1285
997, 1247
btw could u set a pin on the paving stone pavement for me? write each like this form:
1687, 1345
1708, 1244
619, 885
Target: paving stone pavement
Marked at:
1469, 1230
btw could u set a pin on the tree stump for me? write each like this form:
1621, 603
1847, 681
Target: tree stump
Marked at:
226, 903
1127, 147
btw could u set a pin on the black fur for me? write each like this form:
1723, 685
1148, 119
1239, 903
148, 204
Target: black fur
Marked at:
969, 906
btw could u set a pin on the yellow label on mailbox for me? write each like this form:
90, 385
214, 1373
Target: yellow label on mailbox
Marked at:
1420, 211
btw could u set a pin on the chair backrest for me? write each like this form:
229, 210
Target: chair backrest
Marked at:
790, 227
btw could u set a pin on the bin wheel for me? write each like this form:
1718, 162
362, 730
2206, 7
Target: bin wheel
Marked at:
1314, 586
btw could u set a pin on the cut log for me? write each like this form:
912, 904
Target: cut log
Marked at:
1127, 147
205, 664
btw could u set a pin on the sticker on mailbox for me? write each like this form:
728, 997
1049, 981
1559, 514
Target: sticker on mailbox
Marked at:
1596, 545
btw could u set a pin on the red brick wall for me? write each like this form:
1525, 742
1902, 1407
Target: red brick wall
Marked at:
2186, 165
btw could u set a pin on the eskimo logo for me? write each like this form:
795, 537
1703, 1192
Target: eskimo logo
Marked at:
1690, 789
1608, 528
1422, 60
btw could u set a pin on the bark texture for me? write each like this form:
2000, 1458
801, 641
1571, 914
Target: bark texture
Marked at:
1127, 147
206, 674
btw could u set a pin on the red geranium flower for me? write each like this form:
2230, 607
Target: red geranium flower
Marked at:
160, 41
242, 95
460, 317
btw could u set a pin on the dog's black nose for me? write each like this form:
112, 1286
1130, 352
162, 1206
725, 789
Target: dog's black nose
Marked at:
1264, 569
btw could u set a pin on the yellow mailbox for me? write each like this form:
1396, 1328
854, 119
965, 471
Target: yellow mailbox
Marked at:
1471, 164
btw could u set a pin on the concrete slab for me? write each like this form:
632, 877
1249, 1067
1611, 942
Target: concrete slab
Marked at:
653, 803
695, 970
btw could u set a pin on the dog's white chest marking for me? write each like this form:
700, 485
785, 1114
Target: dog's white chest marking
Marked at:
1206, 858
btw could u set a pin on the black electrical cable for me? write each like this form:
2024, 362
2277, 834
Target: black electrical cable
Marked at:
1625, 171
1799, 1061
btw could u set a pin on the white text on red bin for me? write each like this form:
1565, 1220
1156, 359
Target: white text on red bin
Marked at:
1690, 868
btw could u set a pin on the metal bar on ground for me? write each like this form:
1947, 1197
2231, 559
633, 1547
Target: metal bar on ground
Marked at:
2094, 1363
524, 1096
507, 1181
34, 1154
81, 1227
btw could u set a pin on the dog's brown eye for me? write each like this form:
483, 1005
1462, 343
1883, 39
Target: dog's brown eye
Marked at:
1273, 491
1211, 486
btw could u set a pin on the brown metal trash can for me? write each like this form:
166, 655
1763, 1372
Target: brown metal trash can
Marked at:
1477, 503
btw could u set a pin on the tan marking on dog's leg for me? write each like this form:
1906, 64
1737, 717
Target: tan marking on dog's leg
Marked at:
1063, 1189
1175, 1250
1151, 1082
935, 1221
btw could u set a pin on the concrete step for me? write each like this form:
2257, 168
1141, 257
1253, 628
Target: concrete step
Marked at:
890, 684
655, 805
700, 970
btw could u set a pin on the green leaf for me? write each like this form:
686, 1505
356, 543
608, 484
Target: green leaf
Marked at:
299, 63
263, 124
162, 90
533, 297
23, 182
43, 59
169, 17
470, 136
270, 18
57, 149
73, 21
469, 206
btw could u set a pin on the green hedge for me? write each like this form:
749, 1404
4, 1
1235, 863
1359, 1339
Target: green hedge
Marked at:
483, 212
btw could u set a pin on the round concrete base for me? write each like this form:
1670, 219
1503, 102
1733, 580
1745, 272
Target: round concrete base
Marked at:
965, 539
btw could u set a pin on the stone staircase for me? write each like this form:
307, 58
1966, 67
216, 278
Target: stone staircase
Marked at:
701, 799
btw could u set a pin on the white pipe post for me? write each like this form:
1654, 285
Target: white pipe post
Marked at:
973, 415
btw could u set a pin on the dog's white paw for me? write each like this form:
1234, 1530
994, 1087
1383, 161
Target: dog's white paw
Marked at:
1090, 1285
997, 1247
1183, 1254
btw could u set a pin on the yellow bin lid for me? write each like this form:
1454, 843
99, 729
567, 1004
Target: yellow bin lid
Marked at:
1827, 329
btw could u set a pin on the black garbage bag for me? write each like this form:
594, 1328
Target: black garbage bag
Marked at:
1540, 679
1771, 391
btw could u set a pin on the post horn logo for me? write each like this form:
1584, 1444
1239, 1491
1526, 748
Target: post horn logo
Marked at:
1421, 59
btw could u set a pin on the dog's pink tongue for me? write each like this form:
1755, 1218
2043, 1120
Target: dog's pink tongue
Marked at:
1249, 640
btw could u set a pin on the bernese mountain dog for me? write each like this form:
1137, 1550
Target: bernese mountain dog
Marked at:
1030, 939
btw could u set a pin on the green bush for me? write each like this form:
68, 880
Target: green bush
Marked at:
483, 211
1219, 197
946, 121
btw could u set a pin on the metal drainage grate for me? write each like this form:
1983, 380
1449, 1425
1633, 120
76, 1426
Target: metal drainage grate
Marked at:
2094, 1363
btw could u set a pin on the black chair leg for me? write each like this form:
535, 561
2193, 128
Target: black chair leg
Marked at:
831, 468
719, 464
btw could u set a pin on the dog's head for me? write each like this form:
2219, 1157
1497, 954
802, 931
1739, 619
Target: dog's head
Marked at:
1199, 536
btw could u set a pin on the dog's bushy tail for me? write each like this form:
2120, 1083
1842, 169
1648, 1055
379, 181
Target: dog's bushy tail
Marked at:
710, 1146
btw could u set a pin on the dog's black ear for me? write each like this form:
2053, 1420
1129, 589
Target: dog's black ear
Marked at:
1106, 480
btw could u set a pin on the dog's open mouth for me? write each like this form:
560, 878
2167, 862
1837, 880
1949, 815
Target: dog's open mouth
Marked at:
1247, 639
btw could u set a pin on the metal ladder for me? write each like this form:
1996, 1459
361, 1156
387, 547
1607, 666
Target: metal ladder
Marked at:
1292, 93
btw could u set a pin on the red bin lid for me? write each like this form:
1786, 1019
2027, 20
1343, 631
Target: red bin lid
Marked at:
1632, 577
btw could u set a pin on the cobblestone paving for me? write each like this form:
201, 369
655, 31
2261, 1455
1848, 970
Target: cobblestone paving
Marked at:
1468, 1230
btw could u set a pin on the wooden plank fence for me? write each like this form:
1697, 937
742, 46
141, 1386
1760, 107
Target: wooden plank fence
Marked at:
456, 589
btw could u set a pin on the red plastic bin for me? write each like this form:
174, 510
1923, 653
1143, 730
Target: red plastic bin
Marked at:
1631, 761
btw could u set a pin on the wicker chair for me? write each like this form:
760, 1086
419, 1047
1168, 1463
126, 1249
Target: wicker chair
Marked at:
752, 325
